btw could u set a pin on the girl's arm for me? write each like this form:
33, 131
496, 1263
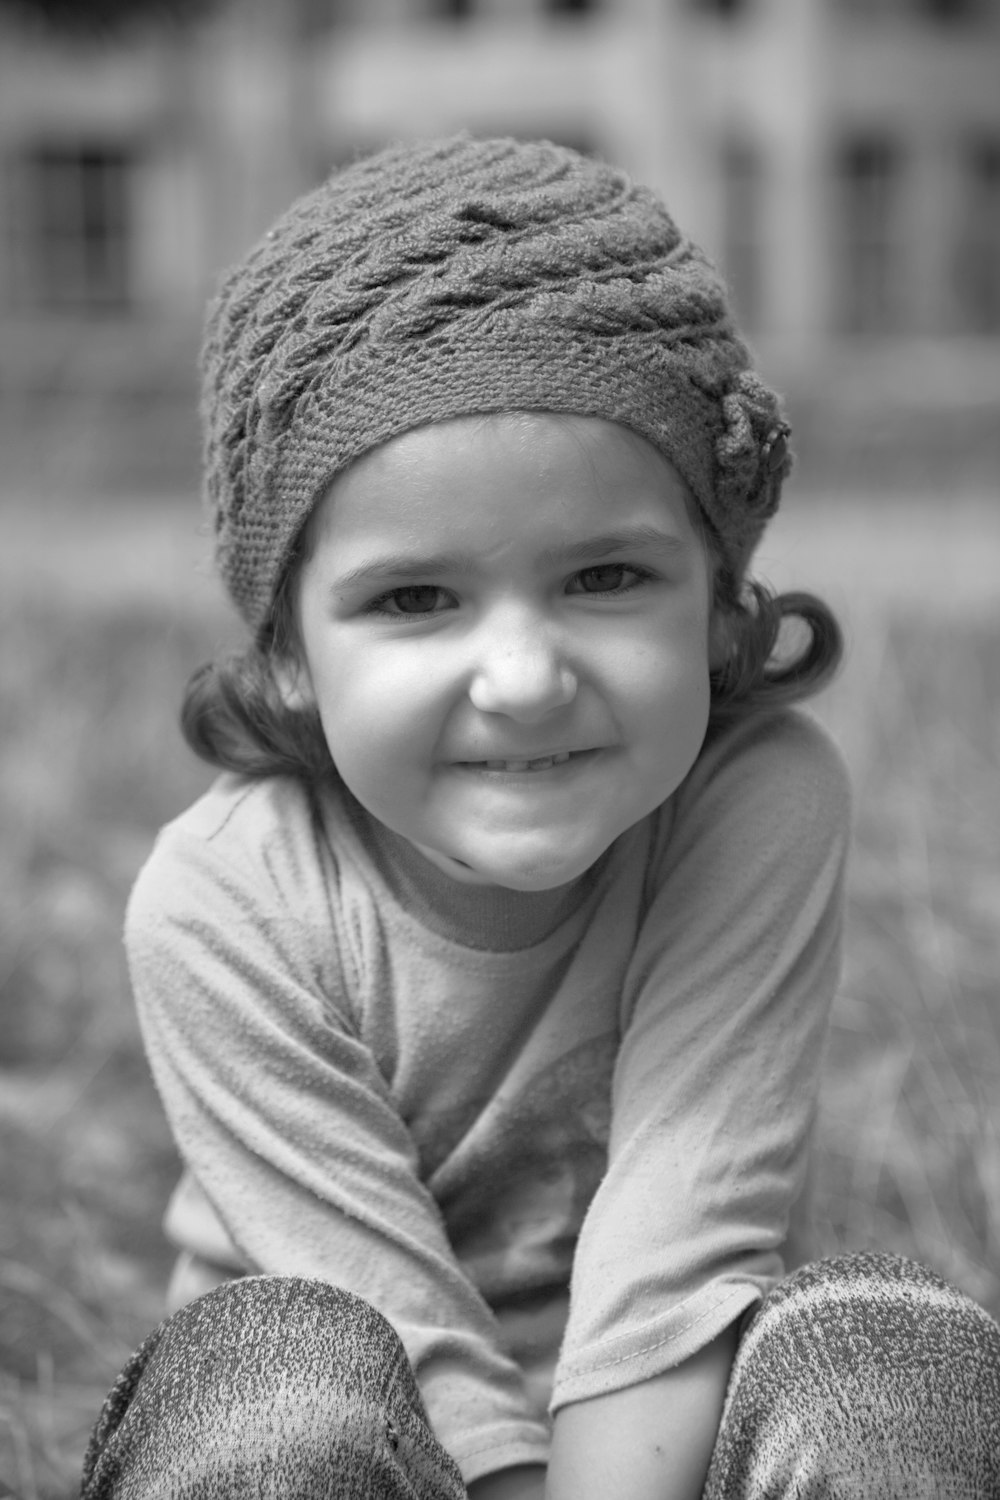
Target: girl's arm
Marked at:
724, 1016
283, 1114
651, 1441
525, 1482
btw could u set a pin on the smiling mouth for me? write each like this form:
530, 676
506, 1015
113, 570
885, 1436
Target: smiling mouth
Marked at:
540, 763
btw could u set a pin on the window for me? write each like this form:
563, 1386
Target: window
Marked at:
977, 258
72, 227
876, 9
570, 7
728, 9
869, 171
945, 11
949, 10
316, 18
452, 10
741, 238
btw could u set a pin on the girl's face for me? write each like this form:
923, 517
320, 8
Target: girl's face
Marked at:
505, 625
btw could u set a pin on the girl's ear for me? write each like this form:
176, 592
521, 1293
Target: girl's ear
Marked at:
291, 677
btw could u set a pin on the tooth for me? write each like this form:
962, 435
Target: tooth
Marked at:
540, 763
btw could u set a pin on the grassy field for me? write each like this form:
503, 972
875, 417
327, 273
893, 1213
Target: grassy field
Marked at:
103, 614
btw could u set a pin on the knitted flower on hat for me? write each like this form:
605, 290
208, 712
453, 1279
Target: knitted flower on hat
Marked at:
459, 276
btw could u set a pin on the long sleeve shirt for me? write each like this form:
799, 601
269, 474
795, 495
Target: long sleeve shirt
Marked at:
557, 1138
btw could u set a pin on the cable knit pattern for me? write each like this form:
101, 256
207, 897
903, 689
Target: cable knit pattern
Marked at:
459, 276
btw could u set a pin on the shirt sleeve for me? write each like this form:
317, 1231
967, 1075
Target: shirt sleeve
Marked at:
286, 1123
724, 1014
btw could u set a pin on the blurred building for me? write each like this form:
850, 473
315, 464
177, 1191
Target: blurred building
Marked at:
840, 158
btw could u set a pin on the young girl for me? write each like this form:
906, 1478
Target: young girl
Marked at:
486, 991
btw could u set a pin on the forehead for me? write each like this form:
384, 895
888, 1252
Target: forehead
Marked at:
524, 465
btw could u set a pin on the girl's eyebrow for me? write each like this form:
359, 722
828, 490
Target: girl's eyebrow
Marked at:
626, 539
405, 566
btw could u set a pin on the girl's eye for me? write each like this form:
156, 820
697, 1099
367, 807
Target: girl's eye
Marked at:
606, 578
413, 599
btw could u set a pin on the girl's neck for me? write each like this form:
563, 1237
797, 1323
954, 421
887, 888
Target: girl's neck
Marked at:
487, 917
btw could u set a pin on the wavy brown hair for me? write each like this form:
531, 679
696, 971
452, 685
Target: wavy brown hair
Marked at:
760, 671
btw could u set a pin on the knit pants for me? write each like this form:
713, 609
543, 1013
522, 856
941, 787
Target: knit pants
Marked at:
863, 1376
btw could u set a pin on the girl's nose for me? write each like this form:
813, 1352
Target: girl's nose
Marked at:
521, 673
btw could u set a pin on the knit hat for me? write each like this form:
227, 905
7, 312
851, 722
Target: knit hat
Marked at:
459, 276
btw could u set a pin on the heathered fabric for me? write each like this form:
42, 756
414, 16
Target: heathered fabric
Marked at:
275, 1387
459, 276
860, 1377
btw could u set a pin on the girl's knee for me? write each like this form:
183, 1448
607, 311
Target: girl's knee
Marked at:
265, 1385
870, 1368
876, 1310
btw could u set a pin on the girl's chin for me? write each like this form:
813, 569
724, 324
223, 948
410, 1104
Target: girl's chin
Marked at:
538, 874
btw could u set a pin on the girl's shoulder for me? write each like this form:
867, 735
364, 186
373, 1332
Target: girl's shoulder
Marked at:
258, 838
242, 813
763, 748
771, 779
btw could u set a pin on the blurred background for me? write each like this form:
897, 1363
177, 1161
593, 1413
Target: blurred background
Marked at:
841, 161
